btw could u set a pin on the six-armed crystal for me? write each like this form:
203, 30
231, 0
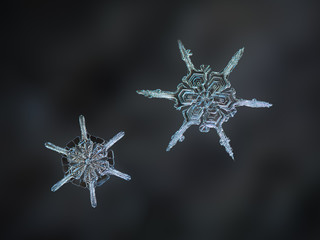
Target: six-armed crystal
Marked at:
87, 161
206, 98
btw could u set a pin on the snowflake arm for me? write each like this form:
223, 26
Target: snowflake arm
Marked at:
113, 140
157, 94
83, 128
224, 141
233, 62
87, 161
254, 103
185, 55
63, 181
93, 198
55, 148
192, 116
178, 136
112, 171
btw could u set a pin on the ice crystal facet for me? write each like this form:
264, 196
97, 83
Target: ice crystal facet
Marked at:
87, 161
205, 98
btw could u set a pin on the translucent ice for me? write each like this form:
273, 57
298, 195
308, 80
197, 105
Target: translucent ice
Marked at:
205, 98
87, 161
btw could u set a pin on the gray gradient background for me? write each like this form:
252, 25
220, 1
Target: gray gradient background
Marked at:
66, 59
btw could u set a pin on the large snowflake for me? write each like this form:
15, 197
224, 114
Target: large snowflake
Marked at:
87, 161
205, 98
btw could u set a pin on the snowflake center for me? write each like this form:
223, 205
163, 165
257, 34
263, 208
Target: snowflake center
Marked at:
205, 100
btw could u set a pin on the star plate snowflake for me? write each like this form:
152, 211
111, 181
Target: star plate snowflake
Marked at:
205, 98
87, 161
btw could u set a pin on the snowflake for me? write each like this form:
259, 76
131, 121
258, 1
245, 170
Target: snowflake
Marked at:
205, 98
87, 161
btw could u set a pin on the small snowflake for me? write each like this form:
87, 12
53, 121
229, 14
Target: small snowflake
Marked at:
206, 98
87, 161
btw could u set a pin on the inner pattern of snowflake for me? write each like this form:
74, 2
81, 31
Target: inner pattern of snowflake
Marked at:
87, 161
205, 98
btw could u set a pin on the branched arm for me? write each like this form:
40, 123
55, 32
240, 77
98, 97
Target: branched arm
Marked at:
185, 55
224, 141
233, 62
254, 103
178, 136
157, 94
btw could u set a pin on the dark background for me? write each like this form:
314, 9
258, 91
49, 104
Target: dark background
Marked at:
65, 59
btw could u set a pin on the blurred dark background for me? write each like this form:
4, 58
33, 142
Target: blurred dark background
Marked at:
63, 59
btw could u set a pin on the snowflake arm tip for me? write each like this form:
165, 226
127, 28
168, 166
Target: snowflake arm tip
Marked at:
63, 181
224, 141
142, 92
233, 62
55, 148
93, 198
113, 140
112, 171
178, 136
185, 55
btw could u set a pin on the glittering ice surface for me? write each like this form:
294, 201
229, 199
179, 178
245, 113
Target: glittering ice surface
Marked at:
87, 161
205, 98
